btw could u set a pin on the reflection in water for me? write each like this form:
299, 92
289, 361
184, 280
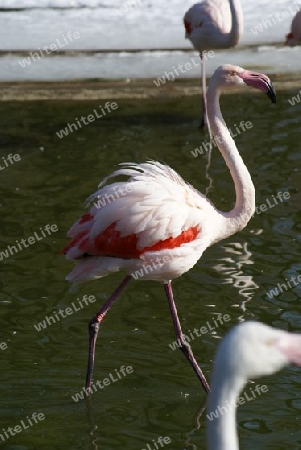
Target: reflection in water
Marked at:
233, 267
91, 423
208, 177
208, 161
187, 443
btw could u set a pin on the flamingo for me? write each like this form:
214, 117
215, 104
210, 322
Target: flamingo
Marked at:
249, 350
294, 37
210, 25
156, 225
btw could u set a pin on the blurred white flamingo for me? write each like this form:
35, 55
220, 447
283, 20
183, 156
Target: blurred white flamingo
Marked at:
210, 25
250, 350
294, 37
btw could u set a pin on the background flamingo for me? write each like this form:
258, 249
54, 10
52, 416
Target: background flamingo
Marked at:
250, 350
210, 25
294, 37
158, 224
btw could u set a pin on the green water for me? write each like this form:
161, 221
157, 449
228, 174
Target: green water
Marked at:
40, 371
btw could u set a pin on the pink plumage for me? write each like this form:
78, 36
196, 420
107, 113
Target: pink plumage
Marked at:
294, 37
211, 25
154, 216
208, 25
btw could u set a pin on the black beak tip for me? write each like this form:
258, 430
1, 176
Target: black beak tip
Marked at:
271, 94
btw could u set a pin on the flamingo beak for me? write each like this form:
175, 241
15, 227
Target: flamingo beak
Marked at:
259, 81
271, 93
290, 345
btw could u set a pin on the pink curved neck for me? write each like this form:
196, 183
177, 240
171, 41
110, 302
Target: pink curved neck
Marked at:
244, 208
230, 39
237, 22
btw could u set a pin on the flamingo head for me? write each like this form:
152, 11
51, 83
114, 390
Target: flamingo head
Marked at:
237, 76
193, 23
188, 28
294, 37
252, 349
291, 41
289, 37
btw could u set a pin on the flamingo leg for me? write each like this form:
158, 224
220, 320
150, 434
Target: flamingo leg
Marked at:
205, 122
94, 328
184, 347
204, 119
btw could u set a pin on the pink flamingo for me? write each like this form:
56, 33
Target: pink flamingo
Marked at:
156, 225
294, 37
250, 350
210, 25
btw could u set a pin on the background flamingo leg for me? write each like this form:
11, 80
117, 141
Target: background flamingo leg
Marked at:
184, 346
204, 119
94, 328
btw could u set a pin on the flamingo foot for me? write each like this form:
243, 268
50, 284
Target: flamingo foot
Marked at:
94, 329
93, 333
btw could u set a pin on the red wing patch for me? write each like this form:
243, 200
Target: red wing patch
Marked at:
110, 243
85, 218
185, 237
74, 242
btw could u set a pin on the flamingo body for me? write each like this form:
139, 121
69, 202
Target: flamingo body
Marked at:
208, 25
156, 217
159, 216
294, 37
